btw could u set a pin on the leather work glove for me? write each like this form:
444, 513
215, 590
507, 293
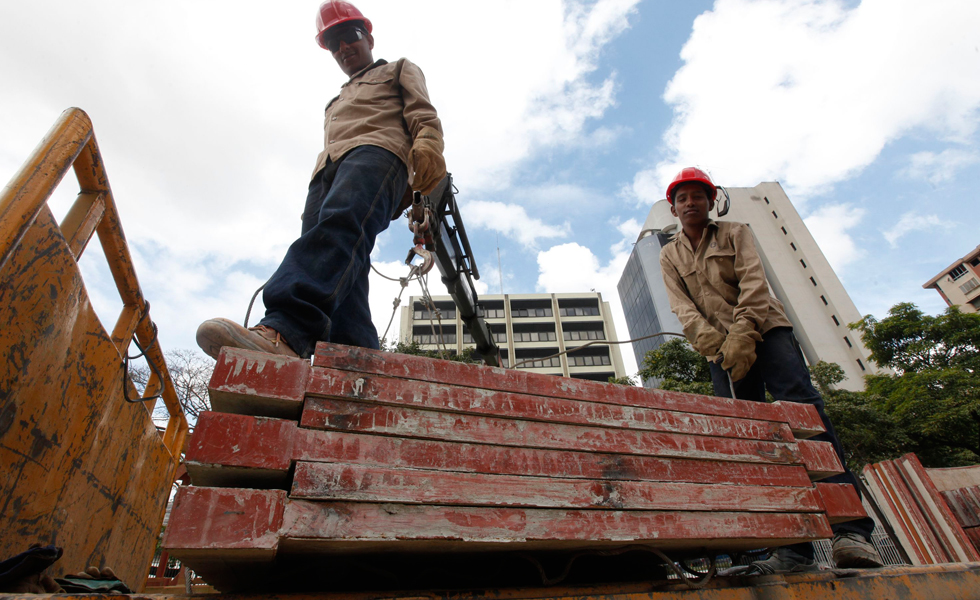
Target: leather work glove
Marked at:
739, 349
708, 341
427, 160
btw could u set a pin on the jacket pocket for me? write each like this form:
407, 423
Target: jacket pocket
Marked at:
373, 90
719, 264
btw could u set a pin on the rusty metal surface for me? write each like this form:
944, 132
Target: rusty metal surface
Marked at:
83, 469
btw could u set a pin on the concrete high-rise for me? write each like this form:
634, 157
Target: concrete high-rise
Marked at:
958, 283
798, 273
527, 326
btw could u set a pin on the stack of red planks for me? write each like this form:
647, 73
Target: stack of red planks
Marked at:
920, 516
374, 454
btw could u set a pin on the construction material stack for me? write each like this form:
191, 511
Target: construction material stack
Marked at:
377, 470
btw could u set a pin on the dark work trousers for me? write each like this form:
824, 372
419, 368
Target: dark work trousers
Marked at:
779, 368
320, 290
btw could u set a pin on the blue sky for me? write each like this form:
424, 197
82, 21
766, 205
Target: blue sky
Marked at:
563, 123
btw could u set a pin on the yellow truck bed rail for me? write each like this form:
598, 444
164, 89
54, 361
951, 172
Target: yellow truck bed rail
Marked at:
82, 468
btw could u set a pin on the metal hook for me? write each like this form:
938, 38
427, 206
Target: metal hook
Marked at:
427, 260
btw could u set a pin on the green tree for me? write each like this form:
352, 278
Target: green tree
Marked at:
468, 355
624, 380
867, 433
678, 367
934, 389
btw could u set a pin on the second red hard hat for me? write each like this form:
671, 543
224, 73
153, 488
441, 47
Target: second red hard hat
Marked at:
691, 175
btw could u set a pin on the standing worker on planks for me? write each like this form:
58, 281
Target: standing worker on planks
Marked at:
718, 290
379, 126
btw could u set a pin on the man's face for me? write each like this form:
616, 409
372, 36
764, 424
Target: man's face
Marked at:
353, 47
691, 204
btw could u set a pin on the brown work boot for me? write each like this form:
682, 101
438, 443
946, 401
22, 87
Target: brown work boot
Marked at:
214, 334
852, 551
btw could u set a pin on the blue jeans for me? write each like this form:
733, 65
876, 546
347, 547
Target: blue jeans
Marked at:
779, 368
320, 290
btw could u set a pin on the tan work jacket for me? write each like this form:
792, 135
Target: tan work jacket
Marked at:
385, 105
719, 283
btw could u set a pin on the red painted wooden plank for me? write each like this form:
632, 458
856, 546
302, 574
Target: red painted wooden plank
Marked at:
405, 366
840, 502
386, 523
212, 518
974, 534
332, 383
224, 440
804, 418
820, 459
324, 413
944, 524
242, 441
359, 483
257, 383
962, 505
917, 521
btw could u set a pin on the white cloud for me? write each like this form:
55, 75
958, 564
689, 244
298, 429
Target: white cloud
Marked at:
829, 226
912, 221
512, 220
939, 167
808, 92
572, 267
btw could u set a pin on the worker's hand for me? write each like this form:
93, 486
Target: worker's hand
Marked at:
427, 160
708, 341
739, 349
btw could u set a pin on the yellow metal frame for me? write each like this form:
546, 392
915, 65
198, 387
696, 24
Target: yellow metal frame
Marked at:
71, 144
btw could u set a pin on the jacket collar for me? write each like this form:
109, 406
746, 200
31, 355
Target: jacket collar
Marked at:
360, 73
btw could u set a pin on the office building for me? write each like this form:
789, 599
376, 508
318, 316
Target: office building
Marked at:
527, 327
959, 283
798, 273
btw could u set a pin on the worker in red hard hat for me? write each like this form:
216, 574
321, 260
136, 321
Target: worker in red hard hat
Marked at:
381, 140
717, 288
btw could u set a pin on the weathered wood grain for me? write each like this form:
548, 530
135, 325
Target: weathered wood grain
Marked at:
820, 458
341, 415
965, 504
359, 483
213, 519
257, 383
802, 419
332, 383
839, 502
226, 441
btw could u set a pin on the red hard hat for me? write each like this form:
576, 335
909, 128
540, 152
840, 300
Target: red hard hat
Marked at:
335, 12
691, 175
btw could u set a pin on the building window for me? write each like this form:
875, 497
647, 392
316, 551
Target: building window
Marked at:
766, 199
793, 246
824, 300
975, 262
538, 364
969, 286
813, 281
784, 231
836, 322
588, 334
519, 313
535, 336
491, 313
861, 364
802, 263
588, 361
579, 311
774, 215
849, 345
958, 272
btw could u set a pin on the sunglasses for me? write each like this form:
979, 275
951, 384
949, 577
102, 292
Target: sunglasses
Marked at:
348, 36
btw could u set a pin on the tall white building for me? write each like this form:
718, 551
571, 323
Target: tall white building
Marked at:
527, 326
799, 275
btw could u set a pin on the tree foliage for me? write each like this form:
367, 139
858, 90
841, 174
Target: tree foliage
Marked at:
934, 389
867, 433
678, 367
469, 355
190, 371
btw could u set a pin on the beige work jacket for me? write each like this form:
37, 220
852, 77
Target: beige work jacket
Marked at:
385, 105
719, 283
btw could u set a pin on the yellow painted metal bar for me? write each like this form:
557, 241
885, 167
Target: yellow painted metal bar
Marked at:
79, 224
32, 185
71, 143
